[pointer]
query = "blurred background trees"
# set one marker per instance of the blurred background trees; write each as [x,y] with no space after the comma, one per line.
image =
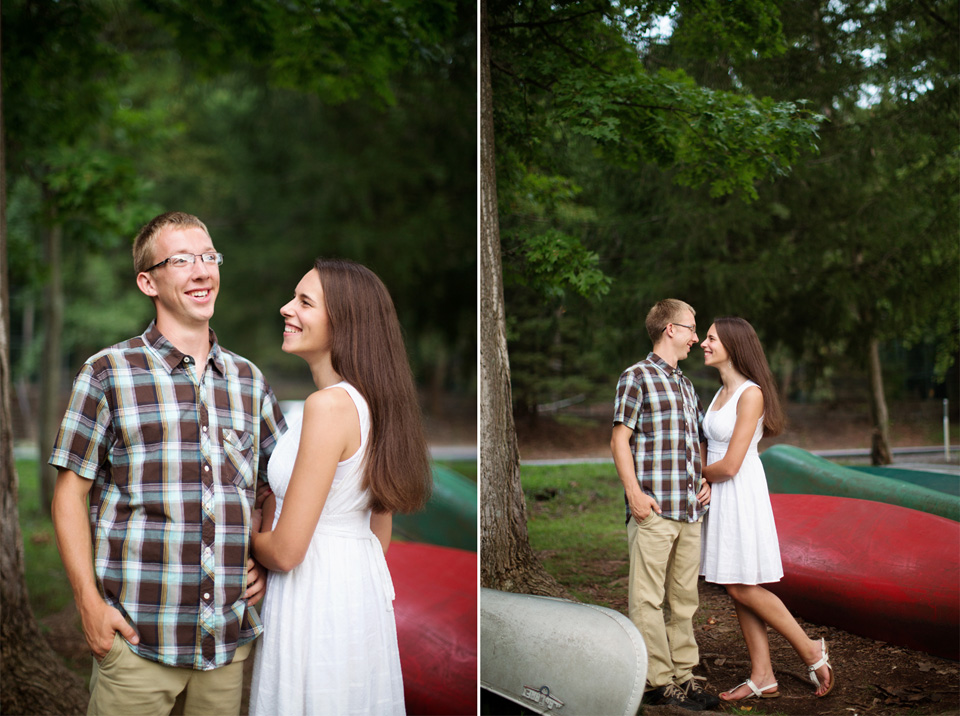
[292,129]
[697,175]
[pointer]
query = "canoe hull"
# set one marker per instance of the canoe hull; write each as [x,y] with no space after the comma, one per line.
[436,612]
[878,570]
[548,654]
[792,470]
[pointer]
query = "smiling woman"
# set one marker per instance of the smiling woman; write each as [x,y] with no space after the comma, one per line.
[356,456]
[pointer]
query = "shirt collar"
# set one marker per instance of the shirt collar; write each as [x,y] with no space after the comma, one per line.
[172,356]
[663,365]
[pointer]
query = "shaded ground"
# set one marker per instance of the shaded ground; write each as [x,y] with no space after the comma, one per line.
[873,678]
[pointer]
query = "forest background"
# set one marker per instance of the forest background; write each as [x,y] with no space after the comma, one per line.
[293,130]
[792,163]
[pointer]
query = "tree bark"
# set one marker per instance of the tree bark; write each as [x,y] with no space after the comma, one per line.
[51,371]
[34,679]
[880,439]
[507,561]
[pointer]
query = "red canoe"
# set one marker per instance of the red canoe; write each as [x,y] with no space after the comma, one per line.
[882,571]
[436,610]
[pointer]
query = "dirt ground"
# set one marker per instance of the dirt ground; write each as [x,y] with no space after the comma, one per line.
[873,678]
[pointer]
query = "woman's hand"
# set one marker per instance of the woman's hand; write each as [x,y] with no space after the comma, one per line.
[255,519]
[703,497]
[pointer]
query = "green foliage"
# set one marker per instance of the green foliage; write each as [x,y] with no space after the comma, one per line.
[293,130]
[853,238]
[338,50]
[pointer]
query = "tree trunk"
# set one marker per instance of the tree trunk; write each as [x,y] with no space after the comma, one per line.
[51,371]
[880,440]
[33,677]
[507,561]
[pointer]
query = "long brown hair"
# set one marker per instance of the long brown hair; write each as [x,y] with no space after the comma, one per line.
[367,351]
[746,353]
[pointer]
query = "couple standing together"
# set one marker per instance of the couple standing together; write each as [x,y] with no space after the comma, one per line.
[173,440]
[675,461]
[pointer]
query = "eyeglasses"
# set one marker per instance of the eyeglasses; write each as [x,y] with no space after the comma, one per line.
[184,260]
[692,328]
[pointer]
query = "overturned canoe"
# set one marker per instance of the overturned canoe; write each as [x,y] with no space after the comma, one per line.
[450,516]
[946,482]
[882,571]
[548,654]
[436,611]
[792,470]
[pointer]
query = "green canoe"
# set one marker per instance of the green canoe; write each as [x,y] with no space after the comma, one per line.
[791,470]
[450,517]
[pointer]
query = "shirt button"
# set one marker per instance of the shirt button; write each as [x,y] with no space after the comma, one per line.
[206,468]
[204,428]
[206,595]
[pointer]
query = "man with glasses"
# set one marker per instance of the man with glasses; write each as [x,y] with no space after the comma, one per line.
[656,444]
[166,435]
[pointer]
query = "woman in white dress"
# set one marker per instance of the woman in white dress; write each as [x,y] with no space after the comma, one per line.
[338,474]
[740,548]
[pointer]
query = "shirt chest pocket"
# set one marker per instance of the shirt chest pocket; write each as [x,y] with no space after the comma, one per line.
[239,463]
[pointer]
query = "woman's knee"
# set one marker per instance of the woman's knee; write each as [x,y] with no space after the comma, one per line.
[739,592]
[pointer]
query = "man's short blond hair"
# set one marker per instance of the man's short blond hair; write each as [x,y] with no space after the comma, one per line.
[666,311]
[143,244]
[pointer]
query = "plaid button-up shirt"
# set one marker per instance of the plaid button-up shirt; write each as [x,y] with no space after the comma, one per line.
[174,457]
[660,405]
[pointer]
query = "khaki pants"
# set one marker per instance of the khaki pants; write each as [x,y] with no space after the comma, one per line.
[664,566]
[125,683]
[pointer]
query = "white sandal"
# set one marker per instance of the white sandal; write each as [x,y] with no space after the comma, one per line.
[824,661]
[757,693]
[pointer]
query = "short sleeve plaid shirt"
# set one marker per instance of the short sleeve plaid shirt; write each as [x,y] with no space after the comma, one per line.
[660,405]
[174,461]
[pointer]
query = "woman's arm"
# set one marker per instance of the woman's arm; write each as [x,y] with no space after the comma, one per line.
[382,525]
[330,432]
[749,411]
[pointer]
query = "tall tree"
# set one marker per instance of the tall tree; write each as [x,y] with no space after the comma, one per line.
[60,89]
[506,559]
[560,71]
[28,665]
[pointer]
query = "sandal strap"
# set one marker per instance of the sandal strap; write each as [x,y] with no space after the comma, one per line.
[823,661]
[758,692]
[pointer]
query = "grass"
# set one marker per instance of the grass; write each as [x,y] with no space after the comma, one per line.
[575,519]
[46,579]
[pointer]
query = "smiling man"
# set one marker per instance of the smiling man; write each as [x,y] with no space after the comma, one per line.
[656,444]
[166,436]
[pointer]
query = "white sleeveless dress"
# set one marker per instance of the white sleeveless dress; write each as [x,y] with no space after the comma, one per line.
[330,637]
[739,541]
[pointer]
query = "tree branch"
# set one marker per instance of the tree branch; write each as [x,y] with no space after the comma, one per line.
[932,13]
[546,23]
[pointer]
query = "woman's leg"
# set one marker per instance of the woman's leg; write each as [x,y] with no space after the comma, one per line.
[755,633]
[767,607]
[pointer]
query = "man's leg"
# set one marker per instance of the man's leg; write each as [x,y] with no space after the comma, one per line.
[124,683]
[683,600]
[651,544]
[218,691]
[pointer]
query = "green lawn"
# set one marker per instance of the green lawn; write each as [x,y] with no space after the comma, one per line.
[46,580]
[575,518]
